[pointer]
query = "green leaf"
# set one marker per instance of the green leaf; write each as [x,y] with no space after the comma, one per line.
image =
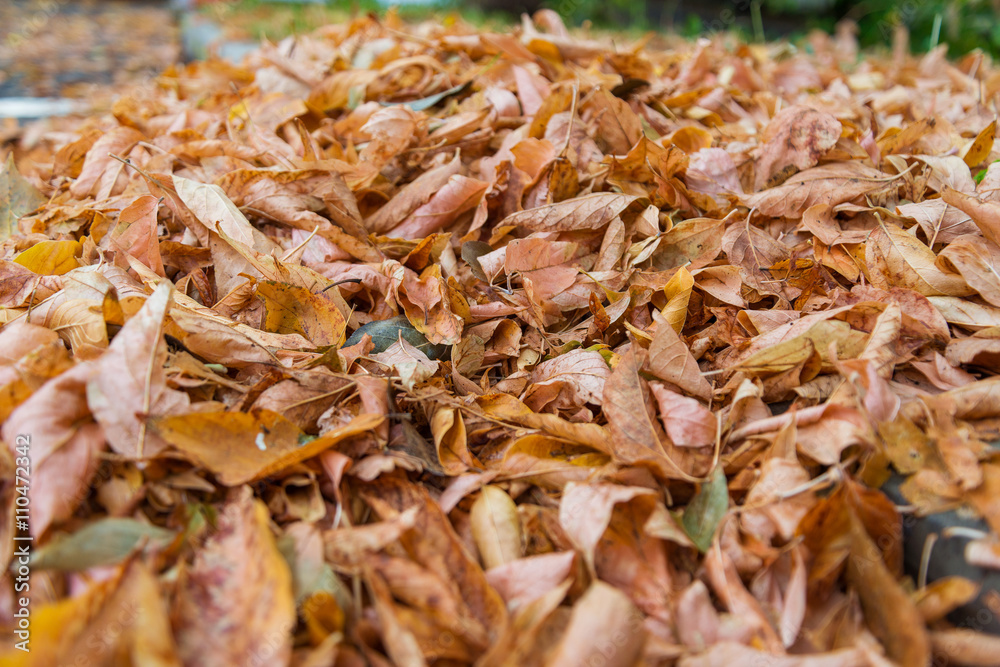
[17,197]
[982,174]
[428,102]
[386,332]
[706,510]
[103,542]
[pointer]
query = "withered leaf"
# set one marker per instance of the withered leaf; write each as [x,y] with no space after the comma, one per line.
[587,212]
[894,617]
[236,600]
[90,626]
[670,359]
[831,184]
[67,442]
[795,139]
[633,334]
[129,383]
[981,146]
[899,259]
[17,197]
[471,252]
[294,309]
[602,613]
[496,527]
[240,447]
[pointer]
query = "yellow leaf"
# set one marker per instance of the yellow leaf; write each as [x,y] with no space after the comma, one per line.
[496,527]
[451,442]
[943,596]
[294,309]
[50,258]
[896,141]
[691,139]
[336,90]
[240,447]
[509,408]
[559,101]
[552,462]
[545,49]
[789,353]
[121,615]
[979,150]
[323,615]
[678,293]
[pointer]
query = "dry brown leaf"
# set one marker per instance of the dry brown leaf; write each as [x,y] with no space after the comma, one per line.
[986,214]
[568,381]
[603,614]
[412,196]
[795,139]
[92,626]
[892,615]
[496,527]
[587,212]
[687,422]
[483,614]
[64,444]
[294,309]
[236,599]
[101,172]
[135,234]
[129,384]
[898,259]
[830,184]
[978,262]
[670,359]
[459,195]
[240,447]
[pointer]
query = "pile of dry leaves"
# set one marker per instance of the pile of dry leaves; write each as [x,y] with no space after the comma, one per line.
[422,345]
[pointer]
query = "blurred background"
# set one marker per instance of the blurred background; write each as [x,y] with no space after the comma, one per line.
[964,24]
[64,50]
